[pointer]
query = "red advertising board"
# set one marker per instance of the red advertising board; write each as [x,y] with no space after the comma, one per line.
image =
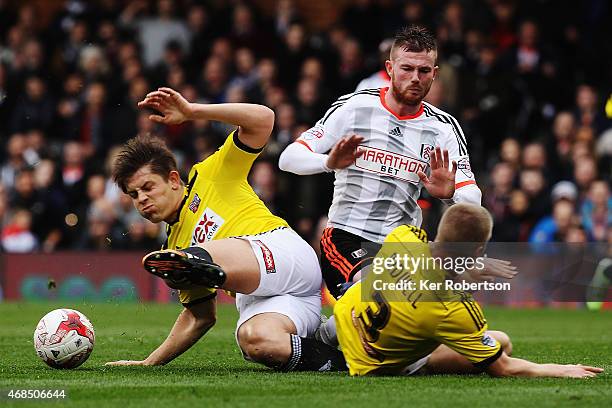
[90,276]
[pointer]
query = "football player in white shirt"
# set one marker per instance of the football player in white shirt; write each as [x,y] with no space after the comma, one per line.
[384,145]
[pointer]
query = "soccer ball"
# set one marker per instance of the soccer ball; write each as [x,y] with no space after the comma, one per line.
[64,338]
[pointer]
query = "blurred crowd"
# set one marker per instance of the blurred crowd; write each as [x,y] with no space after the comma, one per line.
[528,81]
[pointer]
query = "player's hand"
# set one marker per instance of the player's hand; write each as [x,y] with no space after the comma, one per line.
[498,268]
[174,108]
[441,182]
[344,153]
[127,363]
[579,371]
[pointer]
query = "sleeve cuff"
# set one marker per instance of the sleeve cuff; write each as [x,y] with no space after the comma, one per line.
[242,146]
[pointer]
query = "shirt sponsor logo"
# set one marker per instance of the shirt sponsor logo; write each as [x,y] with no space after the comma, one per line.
[207,227]
[426,150]
[267,257]
[315,132]
[390,163]
[195,203]
[464,165]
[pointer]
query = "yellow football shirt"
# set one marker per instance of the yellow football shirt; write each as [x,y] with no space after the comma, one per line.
[382,337]
[219,203]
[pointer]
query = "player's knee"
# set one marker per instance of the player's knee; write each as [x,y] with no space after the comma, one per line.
[503,339]
[259,344]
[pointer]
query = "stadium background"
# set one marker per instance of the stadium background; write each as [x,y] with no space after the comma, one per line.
[530,83]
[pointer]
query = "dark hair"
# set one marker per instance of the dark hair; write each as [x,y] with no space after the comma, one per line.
[139,152]
[415,38]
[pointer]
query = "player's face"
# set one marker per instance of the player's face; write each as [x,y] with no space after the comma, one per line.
[412,74]
[155,198]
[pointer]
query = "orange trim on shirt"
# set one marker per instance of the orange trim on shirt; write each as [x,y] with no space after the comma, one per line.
[304,143]
[383,92]
[464,183]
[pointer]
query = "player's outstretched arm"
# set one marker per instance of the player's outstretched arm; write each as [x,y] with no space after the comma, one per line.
[192,323]
[506,366]
[298,159]
[255,121]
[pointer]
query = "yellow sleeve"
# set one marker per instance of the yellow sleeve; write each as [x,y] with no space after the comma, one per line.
[465,331]
[231,162]
[191,296]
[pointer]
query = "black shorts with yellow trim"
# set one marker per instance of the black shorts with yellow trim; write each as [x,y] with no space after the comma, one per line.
[343,255]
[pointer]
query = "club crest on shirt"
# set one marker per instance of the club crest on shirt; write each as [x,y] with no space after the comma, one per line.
[207,227]
[426,150]
[464,165]
[360,253]
[195,203]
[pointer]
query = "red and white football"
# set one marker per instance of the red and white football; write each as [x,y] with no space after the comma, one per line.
[64,338]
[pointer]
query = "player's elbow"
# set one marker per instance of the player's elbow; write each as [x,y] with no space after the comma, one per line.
[267,118]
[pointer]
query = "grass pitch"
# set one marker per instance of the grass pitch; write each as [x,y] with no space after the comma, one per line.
[213,373]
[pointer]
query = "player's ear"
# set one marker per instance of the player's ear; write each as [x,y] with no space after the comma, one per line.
[174,179]
[389,67]
[435,71]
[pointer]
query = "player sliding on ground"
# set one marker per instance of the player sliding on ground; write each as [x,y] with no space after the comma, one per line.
[432,331]
[221,235]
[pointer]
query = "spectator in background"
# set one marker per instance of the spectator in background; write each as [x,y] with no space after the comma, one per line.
[97,234]
[553,228]
[94,129]
[73,173]
[213,82]
[588,112]
[560,144]
[292,53]
[69,107]
[286,14]
[596,210]
[585,172]
[93,64]
[246,33]
[533,184]
[16,235]
[379,79]
[497,196]
[34,108]
[510,153]
[15,161]
[155,31]
[202,35]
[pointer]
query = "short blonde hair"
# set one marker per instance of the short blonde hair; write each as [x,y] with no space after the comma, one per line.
[465,223]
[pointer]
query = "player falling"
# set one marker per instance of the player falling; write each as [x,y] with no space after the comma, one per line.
[221,235]
[432,331]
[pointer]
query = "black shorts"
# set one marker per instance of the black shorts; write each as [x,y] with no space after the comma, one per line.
[343,255]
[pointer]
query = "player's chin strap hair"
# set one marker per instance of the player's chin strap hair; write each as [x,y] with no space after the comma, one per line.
[308,354]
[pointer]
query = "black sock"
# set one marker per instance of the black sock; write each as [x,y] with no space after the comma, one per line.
[309,354]
[199,252]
